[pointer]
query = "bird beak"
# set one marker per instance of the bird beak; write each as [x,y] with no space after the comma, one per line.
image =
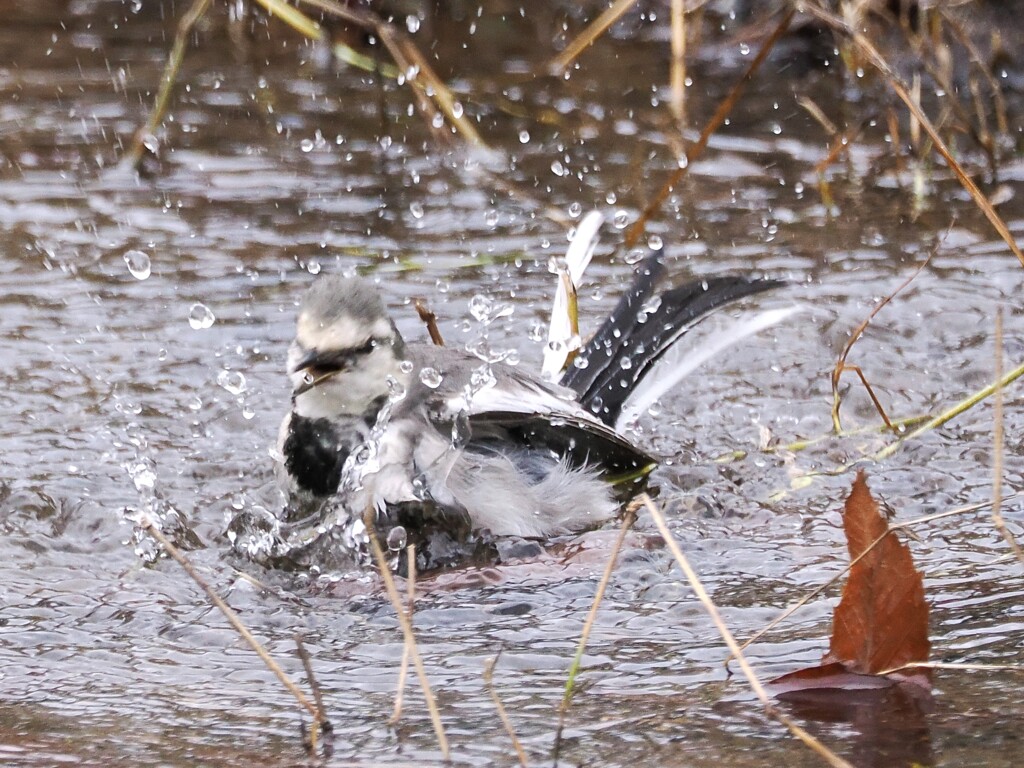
[309,360]
[306,361]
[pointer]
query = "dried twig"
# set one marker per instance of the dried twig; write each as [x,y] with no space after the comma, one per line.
[403,669]
[170,74]
[314,686]
[755,684]
[406,624]
[841,365]
[997,447]
[430,320]
[677,76]
[585,38]
[901,90]
[955,665]
[502,713]
[949,414]
[588,625]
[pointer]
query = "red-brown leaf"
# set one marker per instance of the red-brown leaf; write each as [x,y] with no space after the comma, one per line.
[882,620]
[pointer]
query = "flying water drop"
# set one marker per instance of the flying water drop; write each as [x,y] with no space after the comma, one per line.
[200,316]
[138,264]
[431,377]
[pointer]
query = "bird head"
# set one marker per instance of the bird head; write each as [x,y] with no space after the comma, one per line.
[346,346]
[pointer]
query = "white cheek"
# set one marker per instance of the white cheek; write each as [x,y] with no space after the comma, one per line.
[350,392]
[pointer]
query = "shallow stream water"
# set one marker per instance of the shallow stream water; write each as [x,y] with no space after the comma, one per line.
[144,325]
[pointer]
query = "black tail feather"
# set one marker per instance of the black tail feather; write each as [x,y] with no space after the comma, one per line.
[642,327]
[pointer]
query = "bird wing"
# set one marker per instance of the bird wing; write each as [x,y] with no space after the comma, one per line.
[517,411]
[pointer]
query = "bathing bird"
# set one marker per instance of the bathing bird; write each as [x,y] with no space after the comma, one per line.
[430,433]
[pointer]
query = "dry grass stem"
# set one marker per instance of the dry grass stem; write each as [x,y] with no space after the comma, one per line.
[677,75]
[714,122]
[403,669]
[955,665]
[588,624]
[315,712]
[997,446]
[755,684]
[593,31]
[410,61]
[314,686]
[818,590]
[841,364]
[951,413]
[1002,124]
[430,320]
[406,624]
[170,74]
[502,713]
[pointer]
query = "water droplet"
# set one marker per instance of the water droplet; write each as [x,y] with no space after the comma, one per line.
[397,538]
[776,129]
[313,267]
[416,209]
[248,412]
[406,366]
[142,474]
[575,210]
[138,264]
[232,381]
[480,307]
[524,137]
[558,169]
[306,145]
[431,377]
[744,49]
[457,110]
[200,316]
[195,403]
[611,198]
[634,256]
[491,218]
[655,243]
[621,219]
[412,23]
[396,390]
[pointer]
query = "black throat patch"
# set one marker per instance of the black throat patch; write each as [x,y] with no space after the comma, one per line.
[315,450]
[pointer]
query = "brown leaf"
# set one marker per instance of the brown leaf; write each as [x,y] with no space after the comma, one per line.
[882,620]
